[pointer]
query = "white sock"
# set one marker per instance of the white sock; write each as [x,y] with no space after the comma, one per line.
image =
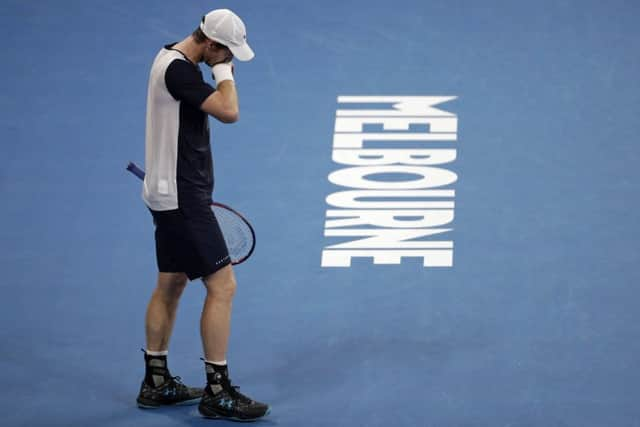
[220,363]
[157,353]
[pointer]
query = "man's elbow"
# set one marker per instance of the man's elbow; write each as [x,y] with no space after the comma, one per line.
[215,105]
[229,116]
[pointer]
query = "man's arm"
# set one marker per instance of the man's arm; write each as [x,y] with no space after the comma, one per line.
[223,103]
[185,83]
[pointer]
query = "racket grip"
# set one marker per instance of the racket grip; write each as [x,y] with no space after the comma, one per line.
[134,169]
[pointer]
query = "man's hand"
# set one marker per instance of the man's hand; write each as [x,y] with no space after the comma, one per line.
[217,54]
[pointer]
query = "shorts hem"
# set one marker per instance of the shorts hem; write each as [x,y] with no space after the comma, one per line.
[209,271]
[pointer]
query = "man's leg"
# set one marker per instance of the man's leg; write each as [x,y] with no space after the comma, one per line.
[159,388]
[215,323]
[161,312]
[221,399]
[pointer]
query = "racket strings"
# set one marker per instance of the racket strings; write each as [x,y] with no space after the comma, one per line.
[237,234]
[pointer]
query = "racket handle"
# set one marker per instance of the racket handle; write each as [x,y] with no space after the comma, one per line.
[134,169]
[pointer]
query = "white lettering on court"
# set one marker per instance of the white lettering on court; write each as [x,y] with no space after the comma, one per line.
[395,197]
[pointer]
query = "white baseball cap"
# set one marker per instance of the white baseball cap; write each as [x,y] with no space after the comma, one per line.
[225,27]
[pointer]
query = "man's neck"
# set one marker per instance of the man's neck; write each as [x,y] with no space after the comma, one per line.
[190,49]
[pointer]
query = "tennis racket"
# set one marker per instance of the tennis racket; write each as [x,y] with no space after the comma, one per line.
[237,232]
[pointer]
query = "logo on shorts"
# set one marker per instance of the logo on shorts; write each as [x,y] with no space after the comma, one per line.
[225,259]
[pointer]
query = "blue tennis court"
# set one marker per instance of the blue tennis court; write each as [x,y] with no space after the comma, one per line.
[527,314]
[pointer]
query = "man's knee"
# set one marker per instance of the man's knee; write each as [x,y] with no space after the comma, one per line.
[171,285]
[222,283]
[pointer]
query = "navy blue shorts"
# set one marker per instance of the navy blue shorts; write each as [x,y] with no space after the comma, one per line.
[189,241]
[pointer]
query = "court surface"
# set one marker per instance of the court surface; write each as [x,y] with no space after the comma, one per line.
[535,324]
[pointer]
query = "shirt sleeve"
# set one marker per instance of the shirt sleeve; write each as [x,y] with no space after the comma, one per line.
[185,83]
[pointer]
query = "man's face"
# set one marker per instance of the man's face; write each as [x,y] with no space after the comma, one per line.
[215,53]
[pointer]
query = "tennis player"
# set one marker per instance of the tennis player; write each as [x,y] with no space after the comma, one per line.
[177,190]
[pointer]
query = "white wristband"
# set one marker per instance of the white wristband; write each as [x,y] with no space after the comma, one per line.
[222,72]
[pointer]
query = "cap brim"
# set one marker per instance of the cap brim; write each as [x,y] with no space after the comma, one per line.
[242,52]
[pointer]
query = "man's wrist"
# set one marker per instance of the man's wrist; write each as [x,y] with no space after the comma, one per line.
[222,72]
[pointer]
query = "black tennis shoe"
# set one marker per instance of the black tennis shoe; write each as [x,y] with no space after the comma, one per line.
[223,400]
[171,392]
